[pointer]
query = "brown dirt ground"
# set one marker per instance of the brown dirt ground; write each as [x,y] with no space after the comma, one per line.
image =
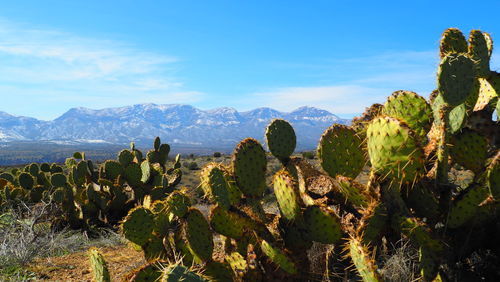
[75,266]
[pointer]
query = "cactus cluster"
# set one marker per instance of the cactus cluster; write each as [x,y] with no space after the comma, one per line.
[94,196]
[410,145]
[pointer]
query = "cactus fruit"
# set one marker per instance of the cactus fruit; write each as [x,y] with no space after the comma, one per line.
[98,266]
[281,139]
[340,151]
[452,41]
[249,168]
[394,150]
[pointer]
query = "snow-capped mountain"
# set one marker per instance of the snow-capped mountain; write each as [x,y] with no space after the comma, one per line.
[175,124]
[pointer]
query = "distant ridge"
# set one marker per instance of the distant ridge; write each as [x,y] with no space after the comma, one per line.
[182,125]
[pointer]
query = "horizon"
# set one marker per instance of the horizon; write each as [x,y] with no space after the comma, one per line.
[332,56]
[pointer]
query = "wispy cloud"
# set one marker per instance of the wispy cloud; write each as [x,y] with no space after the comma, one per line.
[51,65]
[347,86]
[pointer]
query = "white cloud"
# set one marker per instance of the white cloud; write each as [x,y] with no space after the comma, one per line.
[51,65]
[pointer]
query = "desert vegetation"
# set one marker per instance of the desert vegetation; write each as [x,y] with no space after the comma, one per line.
[409,191]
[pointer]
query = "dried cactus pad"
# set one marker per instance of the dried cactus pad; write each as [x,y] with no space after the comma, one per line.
[394,151]
[281,139]
[340,151]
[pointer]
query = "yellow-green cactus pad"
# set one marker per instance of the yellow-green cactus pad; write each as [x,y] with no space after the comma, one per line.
[278,257]
[394,150]
[363,260]
[287,195]
[340,151]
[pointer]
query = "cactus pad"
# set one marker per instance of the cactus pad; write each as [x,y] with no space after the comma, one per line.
[178,203]
[470,150]
[26,180]
[322,224]
[215,186]
[479,53]
[98,266]
[125,157]
[199,235]
[112,169]
[58,180]
[488,92]
[412,109]
[363,261]
[175,273]
[455,79]
[493,175]
[249,167]
[340,151]
[372,223]
[394,151]
[228,223]
[281,139]
[138,225]
[353,191]
[278,257]
[452,41]
[286,190]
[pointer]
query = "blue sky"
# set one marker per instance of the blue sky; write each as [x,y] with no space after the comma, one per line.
[337,55]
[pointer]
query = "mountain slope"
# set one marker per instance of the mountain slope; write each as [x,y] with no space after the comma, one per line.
[175,124]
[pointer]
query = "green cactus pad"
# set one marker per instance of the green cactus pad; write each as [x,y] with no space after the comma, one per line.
[26,180]
[133,174]
[215,186]
[340,151]
[7,176]
[493,176]
[455,79]
[479,53]
[229,223]
[149,272]
[58,195]
[164,150]
[58,180]
[33,169]
[175,273]
[353,191]
[394,150]
[174,177]
[322,224]
[421,199]
[154,249]
[456,117]
[363,260]
[249,168]
[470,150]
[125,157]
[199,235]
[36,193]
[153,156]
[138,225]
[218,271]
[372,223]
[412,109]
[280,138]
[54,168]
[177,203]
[416,231]
[238,264]
[112,169]
[278,257]
[465,208]
[429,264]
[157,143]
[452,41]
[287,195]
[45,167]
[146,171]
[98,265]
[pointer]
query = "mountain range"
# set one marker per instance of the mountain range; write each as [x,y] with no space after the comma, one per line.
[178,125]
